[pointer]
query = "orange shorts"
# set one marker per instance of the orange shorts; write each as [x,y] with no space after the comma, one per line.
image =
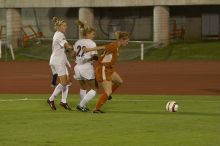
[104,73]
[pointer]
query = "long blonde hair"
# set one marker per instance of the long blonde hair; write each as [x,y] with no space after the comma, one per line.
[122,35]
[84,28]
[57,22]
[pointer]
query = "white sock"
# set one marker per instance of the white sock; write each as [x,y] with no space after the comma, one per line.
[64,94]
[82,94]
[56,92]
[88,97]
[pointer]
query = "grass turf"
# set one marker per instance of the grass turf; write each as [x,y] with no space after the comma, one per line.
[180,50]
[42,51]
[131,120]
[186,50]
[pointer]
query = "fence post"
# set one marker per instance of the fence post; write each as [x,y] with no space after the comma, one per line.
[12,51]
[142,51]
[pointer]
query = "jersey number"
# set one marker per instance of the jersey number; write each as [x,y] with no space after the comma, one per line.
[80,52]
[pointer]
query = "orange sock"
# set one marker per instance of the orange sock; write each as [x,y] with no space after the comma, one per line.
[101,101]
[103,98]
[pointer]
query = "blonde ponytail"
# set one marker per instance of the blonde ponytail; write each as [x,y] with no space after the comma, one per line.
[84,27]
[57,22]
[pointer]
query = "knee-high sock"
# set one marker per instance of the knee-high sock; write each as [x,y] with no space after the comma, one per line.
[103,98]
[56,91]
[64,94]
[82,94]
[88,97]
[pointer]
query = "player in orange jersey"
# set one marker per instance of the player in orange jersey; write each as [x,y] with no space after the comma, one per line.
[105,73]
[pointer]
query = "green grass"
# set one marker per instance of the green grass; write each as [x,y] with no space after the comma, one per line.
[42,51]
[180,50]
[186,50]
[131,120]
[31,51]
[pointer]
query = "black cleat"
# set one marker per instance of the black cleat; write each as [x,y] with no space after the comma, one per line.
[83,109]
[51,104]
[86,107]
[65,105]
[98,111]
[78,107]
[110,97]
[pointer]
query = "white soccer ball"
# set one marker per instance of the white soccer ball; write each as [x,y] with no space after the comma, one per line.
[172,106]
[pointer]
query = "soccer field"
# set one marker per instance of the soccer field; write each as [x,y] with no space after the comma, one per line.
[130,120]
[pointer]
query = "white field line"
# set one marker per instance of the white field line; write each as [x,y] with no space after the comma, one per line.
[114,100]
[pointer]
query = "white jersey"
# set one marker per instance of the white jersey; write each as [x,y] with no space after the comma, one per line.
[81,56]
[58,56]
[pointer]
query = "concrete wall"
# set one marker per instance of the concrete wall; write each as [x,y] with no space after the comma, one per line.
[139,26]
[189,16]
[2,16]
[100,3]
[137,21]
[44,16]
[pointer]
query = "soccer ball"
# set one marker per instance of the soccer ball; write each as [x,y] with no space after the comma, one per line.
[172,106]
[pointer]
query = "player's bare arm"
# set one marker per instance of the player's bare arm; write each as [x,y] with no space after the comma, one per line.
[94,49]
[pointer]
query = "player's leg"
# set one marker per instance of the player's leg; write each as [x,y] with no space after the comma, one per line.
[56,91]
[83,89]
[61,87]
[89,95]
[82,92]
[64,82]
[79,78]
[54,80]
[117,81]
[69,76]
[103,75]
[54,77]
[88,73]
[107,86]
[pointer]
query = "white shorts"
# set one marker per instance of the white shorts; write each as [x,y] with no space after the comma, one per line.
[84,72]
[59,69]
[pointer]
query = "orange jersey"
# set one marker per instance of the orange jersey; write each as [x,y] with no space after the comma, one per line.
[110,54]
[108,58]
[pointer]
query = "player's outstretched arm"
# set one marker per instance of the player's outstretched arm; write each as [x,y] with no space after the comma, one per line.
[94,49]
[68,46]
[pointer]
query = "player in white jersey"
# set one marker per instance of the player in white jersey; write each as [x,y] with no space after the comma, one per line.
[58,63]
[84,70]
[55,75]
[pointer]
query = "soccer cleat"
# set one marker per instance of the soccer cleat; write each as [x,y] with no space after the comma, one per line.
[78,107]
[110,97]
[51,104]
[83,109]
[86,107]
[65,105]
[97,111]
